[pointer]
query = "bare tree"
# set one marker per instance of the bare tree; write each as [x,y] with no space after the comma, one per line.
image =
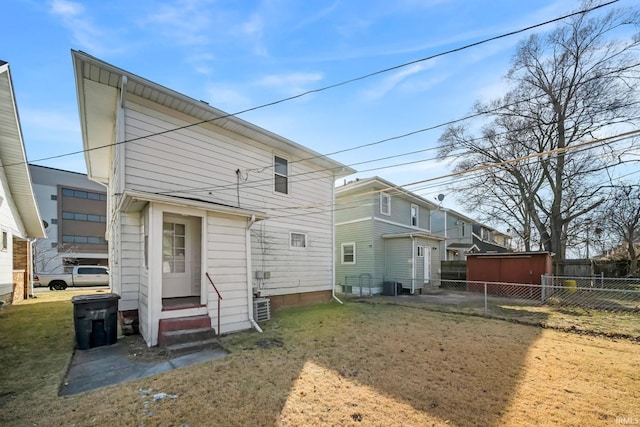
[569,86]
[620,218]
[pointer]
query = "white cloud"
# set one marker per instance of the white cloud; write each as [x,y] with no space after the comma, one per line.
[66,8]
[185,22]
[56,124]
[227,98]
[292,83]
[200,62]
[84,32]
[253,26]
[390,82]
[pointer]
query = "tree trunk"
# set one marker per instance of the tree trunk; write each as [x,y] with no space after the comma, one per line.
[633,258]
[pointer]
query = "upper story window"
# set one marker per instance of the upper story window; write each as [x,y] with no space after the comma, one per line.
[385,204]
[298,240]
[80,194]
[83,217]
[5,241]
[91,240]
[281,175]
[414,215]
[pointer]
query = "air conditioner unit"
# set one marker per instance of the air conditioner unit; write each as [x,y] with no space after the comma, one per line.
[261,309]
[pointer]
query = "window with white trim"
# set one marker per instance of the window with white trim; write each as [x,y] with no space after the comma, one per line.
[348,253]
[5,241]
[297,240]
[414,215]
[420,251]
[280,175]
[385,204]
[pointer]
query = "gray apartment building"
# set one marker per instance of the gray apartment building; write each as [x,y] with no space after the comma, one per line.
[73,210]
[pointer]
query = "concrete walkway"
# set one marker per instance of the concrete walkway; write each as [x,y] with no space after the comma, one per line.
[109,365]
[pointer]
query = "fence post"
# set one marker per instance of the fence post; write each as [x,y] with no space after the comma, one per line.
[601,280]
[485,298]
[543,291]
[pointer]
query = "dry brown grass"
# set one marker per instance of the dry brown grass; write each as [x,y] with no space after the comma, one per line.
[363,364]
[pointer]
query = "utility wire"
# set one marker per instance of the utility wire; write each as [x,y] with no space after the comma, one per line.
[268,181]
[403,188]
[333,86]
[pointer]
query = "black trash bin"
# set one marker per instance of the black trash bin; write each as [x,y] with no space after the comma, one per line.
[96,320]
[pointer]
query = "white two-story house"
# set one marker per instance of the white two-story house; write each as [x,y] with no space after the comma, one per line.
[197,194]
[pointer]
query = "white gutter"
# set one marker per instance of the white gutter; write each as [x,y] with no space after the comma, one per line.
[333,242]
[247,237]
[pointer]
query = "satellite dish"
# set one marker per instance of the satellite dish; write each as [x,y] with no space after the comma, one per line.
[440,197]
[45,223]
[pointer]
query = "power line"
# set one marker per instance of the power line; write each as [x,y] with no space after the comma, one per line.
[335,85]
[403,188]
[268,181]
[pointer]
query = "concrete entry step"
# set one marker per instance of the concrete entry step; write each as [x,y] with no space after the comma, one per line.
[189,322]
[184,335]
[187,335]
[192,346]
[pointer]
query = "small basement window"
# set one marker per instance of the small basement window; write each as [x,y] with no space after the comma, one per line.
[297,240]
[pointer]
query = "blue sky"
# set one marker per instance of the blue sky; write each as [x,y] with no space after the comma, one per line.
[240,54]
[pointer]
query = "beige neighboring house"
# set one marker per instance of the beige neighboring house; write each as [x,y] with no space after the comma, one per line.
[193,191]
[20,222]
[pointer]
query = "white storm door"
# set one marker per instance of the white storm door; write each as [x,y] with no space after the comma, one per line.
[176,259]
[427,264]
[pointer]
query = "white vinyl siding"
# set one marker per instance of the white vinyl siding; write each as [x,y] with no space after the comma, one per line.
[11,224]
[131,263]
[211,155]
[226,263]
[206,158]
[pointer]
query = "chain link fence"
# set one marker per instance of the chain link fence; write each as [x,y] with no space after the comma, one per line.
[361,285]
[581,304]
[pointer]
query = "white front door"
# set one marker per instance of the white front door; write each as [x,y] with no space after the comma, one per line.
[176,257]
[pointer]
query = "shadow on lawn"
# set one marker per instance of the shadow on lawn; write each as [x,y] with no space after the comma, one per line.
[391,365]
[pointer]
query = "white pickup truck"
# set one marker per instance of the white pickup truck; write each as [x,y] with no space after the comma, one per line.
[82,275]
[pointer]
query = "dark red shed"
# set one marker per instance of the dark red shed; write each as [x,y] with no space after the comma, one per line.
[511,267]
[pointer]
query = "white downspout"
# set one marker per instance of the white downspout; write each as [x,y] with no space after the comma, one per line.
[247,237]
[31,261]
[333,241]
[446,255]
[413,264]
